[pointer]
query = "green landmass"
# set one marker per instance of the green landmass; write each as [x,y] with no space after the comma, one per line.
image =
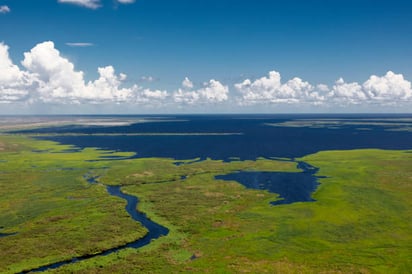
[389,124]
[360,222]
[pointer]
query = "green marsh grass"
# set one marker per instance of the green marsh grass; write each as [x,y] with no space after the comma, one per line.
[359,223]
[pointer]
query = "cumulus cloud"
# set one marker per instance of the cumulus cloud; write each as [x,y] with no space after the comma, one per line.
[385,90]
[91,4]
[107,87]
[50,78]
[56,76]
[46,77]
[186,83]
[151,97]
[347,93]
[211,92]
[13,81]
[4,9]
[147,79]
[8,71]
[388,87]
[270,89]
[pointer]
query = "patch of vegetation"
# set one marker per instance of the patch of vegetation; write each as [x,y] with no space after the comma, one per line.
[360,222]
[54,212]
[395,124]
[57,215]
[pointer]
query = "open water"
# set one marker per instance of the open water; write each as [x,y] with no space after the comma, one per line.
[240,136]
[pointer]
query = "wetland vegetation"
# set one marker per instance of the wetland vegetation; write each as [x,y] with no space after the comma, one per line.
[49,212]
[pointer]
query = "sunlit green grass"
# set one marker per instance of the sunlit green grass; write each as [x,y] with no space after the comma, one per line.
[54,212]
[360,222]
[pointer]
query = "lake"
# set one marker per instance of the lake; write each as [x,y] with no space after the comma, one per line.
[224,137]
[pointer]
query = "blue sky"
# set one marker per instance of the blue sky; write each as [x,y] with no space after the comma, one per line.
[238,56]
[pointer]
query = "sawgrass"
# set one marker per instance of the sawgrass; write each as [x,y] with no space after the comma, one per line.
[360,222]
[54,212]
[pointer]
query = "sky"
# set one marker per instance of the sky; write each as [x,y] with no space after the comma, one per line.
[205,56]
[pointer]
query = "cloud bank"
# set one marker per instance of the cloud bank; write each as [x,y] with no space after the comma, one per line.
[389,89]
[46,77]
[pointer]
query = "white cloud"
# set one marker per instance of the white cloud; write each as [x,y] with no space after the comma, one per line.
[388,87]
[107,88]
[322,87]
[91,4]
[45,77]
[214,91]
[153,97]
[13,81]
[4,9]
[8,71]
[79,44]
[187,83]
[147,79]
[187,97]
[51,78]
[211,92]
[347,93]
[270,89]
[57,80]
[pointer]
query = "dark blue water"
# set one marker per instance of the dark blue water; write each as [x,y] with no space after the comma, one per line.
[6,234]
[292,187]
[253,138]
[154,230]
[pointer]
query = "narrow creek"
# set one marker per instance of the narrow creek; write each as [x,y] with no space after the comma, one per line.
[291,186]
[154,230]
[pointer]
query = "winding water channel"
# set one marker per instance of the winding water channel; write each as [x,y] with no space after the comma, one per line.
[291,186]
[154,230]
